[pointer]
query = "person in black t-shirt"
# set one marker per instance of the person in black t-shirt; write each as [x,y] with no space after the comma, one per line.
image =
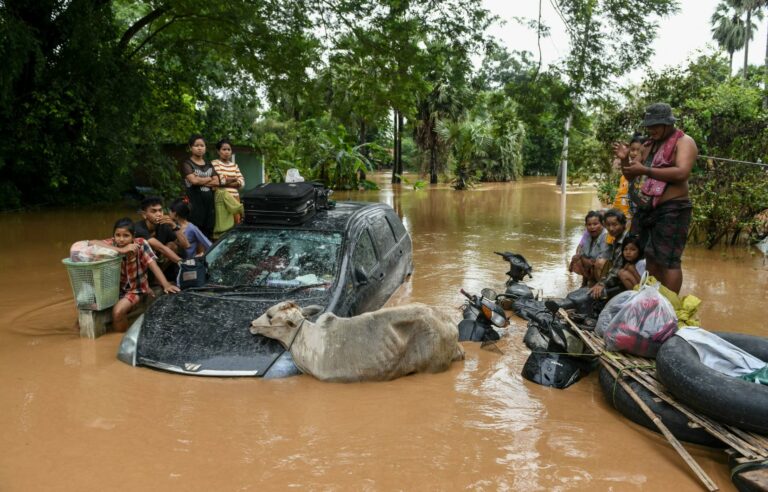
[200,178]
[161,232]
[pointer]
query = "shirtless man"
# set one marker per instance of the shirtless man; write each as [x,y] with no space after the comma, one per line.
[663,212]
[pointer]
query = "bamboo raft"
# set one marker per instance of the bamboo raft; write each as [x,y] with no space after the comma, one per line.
[746,446]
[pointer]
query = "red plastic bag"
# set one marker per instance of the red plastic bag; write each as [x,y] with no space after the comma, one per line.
[645,322]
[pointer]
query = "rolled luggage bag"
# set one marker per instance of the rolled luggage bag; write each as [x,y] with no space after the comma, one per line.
[280,203]
[726,399]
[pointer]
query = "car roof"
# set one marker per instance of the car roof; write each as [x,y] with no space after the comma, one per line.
[336,219]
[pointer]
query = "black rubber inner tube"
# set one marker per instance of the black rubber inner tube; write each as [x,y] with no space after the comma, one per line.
[676,422]
[744,477]
[726,399]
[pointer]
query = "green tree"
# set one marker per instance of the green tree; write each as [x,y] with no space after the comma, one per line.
[748,8]
[541,99]
[503,159]
[94,87]
[396,37]
[468,141]
[448,98]
[728,30]
[606,37]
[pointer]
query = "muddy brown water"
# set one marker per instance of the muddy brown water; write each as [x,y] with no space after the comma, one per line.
[75,418]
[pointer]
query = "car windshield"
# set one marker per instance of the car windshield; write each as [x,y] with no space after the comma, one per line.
[275,258]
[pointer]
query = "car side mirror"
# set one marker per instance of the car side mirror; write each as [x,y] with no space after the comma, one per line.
[360,276]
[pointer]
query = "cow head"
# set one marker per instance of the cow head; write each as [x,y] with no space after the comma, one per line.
[282,320]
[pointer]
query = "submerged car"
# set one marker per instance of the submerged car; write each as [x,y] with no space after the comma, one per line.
[349,259]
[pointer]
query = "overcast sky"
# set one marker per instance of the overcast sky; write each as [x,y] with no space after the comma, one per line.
[679,36]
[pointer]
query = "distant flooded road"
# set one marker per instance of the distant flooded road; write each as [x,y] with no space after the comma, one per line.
[74,418]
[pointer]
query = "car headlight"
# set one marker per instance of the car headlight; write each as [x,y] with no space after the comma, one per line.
[127,350]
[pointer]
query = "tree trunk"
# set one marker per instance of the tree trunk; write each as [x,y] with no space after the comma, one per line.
[433,139]
[362,137]
[361,175]
[765,74]
[395,154]
[730,63]
[399,144]
[746,44]
[538,42]
[735,236]
[562,173]
[433,162]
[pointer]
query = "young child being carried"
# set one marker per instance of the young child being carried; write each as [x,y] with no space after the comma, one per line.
[138,258]
[622,201]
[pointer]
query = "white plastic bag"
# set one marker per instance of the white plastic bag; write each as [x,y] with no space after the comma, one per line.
[644,322]
[293,176]
[610,310]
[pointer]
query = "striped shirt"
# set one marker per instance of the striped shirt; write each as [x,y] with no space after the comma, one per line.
[229,170]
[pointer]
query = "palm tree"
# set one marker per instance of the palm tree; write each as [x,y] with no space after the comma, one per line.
[468,141]
[728,30]
[764,4]
[750,8]
[443,102]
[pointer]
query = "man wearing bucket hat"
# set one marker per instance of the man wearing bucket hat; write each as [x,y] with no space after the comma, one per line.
[659,193]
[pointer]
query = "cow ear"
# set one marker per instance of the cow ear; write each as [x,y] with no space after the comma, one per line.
[312,310]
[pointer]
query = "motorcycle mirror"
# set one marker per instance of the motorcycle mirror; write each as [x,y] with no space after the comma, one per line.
[360,276]
[489,294]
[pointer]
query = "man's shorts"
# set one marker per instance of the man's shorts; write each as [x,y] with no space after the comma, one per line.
[664,231]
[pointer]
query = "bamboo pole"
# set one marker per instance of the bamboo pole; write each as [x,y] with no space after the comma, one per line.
[753,439]
[700,473]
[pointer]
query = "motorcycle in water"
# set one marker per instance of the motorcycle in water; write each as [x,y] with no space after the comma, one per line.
[519,268]
[556,358]
[481,315]
[521,298]
[563,362]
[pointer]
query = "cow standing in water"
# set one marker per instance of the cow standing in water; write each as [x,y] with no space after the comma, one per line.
[377,346]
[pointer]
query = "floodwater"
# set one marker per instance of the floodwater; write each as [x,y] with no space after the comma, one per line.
[72,417]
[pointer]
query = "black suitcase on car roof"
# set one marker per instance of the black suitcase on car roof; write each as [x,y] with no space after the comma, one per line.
[280,203]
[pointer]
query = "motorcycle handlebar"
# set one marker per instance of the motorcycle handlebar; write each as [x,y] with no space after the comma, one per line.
[468,296]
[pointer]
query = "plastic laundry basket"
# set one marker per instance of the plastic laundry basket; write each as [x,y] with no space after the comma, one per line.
[95,284]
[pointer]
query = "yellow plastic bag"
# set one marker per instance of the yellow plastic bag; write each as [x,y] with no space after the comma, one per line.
[686,307]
